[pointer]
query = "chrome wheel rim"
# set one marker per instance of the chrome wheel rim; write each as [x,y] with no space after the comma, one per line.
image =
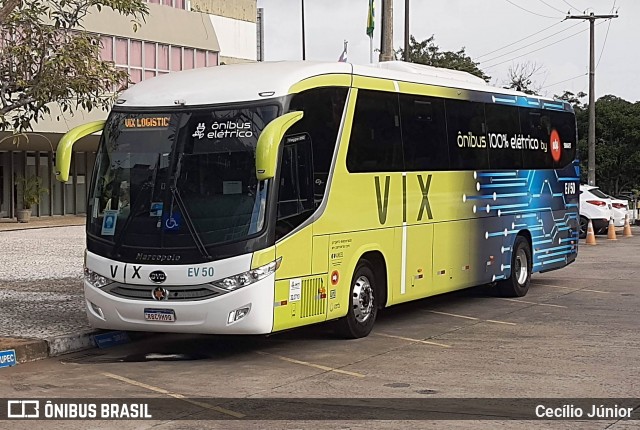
[521,266]
[362,299]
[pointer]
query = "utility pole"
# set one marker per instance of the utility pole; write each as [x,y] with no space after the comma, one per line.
[591,140]
[406,31]
[386,39]
[304,56]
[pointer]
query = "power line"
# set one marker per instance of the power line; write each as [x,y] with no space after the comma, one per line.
[603,44]
[539,49]
[552,7]
[535,50]
[530,44]
[520,40]
[527,10]
[562,82]
[571,6]
[606,36]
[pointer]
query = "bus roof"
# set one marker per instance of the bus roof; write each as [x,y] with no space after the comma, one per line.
[256,81]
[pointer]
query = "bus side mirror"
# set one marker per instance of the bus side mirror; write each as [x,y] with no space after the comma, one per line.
[269,144]
[63,152]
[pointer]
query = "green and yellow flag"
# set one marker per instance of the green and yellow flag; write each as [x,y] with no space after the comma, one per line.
[371,19]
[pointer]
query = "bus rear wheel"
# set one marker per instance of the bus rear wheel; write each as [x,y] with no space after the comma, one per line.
[363,306]
[517,285]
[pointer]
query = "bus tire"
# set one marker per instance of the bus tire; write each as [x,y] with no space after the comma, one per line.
[584,224]
[363,307]
[517,284]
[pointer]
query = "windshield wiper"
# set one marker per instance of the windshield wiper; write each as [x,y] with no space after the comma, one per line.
[132,206]
[187,218]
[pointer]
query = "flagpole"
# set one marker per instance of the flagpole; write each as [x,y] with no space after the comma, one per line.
[304,54]
[371,49]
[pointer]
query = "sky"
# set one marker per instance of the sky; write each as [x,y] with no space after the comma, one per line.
[559,47]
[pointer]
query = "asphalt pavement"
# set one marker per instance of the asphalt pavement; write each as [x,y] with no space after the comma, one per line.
[42,312]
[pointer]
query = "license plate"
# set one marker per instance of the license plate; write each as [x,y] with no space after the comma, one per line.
[162,315]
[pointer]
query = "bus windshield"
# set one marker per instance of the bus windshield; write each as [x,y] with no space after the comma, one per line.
[179,179]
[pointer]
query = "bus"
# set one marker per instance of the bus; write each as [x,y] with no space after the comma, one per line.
[254,198]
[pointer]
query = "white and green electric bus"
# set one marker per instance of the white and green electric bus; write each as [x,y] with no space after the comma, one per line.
[260,197]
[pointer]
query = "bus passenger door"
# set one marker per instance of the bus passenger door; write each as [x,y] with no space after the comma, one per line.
[301,297]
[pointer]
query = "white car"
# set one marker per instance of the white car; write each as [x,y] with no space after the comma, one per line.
[595,206]
[620,210]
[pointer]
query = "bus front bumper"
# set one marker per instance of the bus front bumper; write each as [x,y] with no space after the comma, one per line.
[250,306]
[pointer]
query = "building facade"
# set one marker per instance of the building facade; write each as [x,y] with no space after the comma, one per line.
[176,35]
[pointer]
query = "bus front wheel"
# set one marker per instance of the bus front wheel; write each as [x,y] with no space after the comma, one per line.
[363,306]
[517,284]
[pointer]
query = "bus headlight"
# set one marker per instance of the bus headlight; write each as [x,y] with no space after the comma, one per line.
[232,283]
[95,279]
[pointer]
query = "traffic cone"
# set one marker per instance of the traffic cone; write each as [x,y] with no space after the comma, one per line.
[591,236]
[627,227]
[611,232]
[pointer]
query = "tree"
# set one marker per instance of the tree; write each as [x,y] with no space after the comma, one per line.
[521,78]
[427,52]
[47,57]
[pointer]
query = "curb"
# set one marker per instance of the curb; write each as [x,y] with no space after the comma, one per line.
[38,227]
[28,350]
[65,344]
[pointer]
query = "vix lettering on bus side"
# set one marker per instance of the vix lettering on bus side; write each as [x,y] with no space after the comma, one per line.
[382,197]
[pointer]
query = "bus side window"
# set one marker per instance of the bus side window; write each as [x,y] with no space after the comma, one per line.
[467,135]
[424,133]
[376,143]
[536,127]
[564,123]
[503,125]
[323,108]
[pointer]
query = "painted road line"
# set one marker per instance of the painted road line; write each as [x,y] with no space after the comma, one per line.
[574,289]
[454,315]
[426,342]
[532,303]
[317,366]
[174,395]
[552,286]
[471,318]
[501,322]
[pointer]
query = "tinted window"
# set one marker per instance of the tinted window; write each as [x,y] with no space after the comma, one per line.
[565,125]
[322,109]
[536,129]
[503,129]
[467,135]
[424,133]
[376,142]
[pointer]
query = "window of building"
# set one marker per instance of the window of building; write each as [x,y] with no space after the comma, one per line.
[179,4]
[145,60]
